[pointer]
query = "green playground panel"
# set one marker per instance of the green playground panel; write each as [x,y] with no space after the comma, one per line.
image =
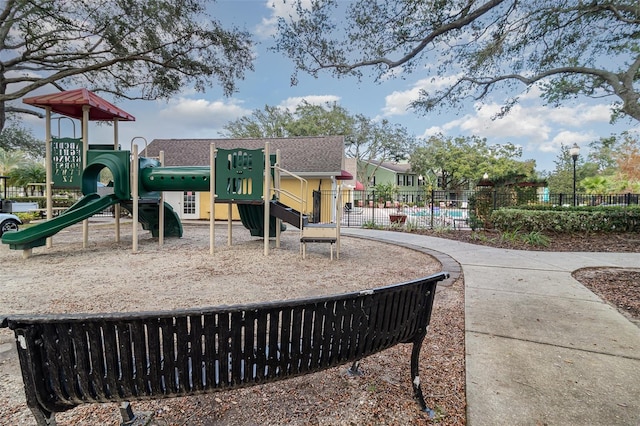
[239,174]
[66,162]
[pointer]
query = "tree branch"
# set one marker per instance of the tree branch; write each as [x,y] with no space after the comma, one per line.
[465,19]
[17,110]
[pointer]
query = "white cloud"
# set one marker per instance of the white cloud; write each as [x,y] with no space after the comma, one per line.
[397,103]
[580,115]
[279,8]
[567,138]
[541,128]
[432,131]
[534,93]
[293,102]
[536,127]
[201,113]
[179,118]
[521,122]
[182,117]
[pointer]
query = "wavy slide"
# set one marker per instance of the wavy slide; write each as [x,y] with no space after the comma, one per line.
[36,236]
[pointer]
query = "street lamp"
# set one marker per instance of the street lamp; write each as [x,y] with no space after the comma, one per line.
[574,151]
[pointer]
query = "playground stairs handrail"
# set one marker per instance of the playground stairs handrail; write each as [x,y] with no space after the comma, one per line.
[302,199]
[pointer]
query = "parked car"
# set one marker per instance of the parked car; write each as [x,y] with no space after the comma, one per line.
[9,222]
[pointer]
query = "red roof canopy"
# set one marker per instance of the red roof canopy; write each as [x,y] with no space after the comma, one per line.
[344,175]
[70,103]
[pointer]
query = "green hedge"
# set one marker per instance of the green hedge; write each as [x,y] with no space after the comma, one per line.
[568,220]
[42,201]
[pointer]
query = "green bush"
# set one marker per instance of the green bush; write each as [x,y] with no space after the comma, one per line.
[63,202]
[568,220]
[27,217]
[370,224]
[42,201]
[535,238]
[480,206]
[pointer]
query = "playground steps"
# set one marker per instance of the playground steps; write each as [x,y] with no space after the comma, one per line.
[319,233]
[287,214]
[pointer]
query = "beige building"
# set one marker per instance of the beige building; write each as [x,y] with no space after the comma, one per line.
[318,160]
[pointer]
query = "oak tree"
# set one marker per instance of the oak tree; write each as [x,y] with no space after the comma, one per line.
[366,140]
[474,49]
[460,162]
[133,49]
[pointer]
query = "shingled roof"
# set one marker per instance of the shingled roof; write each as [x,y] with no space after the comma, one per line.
[394,167]
[307,156]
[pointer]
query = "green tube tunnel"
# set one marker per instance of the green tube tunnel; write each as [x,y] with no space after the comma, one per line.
[175,178]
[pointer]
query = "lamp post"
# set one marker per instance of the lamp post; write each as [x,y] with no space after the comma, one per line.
[574,151]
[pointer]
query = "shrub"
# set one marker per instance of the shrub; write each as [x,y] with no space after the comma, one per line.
[370,224]
[27,217]
[563,220]
[510,236]
[536,238]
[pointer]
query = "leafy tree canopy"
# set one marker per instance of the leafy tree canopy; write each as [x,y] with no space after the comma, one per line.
[617,158]
[602,152]
[132,49]
[30,173]
[568,48]
[16,138]
[365,139]
[561,179]
[271,122]
[628,160]
[461,161]
[11,160]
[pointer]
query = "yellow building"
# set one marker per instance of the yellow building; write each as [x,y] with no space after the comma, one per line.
[318,160]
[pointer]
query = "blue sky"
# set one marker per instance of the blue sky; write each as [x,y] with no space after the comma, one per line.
[540,130]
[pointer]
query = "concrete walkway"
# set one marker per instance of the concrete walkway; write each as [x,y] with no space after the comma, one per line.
[541,349]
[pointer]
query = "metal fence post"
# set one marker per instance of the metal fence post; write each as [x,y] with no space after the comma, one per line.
[432,202]
[373,208]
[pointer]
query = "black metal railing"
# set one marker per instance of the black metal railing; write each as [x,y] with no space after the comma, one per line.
[421,208]
[452,209]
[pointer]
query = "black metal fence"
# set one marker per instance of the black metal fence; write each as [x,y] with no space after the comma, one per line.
[451,209]
[61,198]
[419,209]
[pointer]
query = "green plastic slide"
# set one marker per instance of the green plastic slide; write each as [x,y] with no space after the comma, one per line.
[36,236]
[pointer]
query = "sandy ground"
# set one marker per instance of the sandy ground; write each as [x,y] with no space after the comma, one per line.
[108,277]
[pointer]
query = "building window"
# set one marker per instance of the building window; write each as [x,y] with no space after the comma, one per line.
[189,205]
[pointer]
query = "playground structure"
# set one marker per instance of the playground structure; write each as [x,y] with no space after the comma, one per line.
[248,178]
